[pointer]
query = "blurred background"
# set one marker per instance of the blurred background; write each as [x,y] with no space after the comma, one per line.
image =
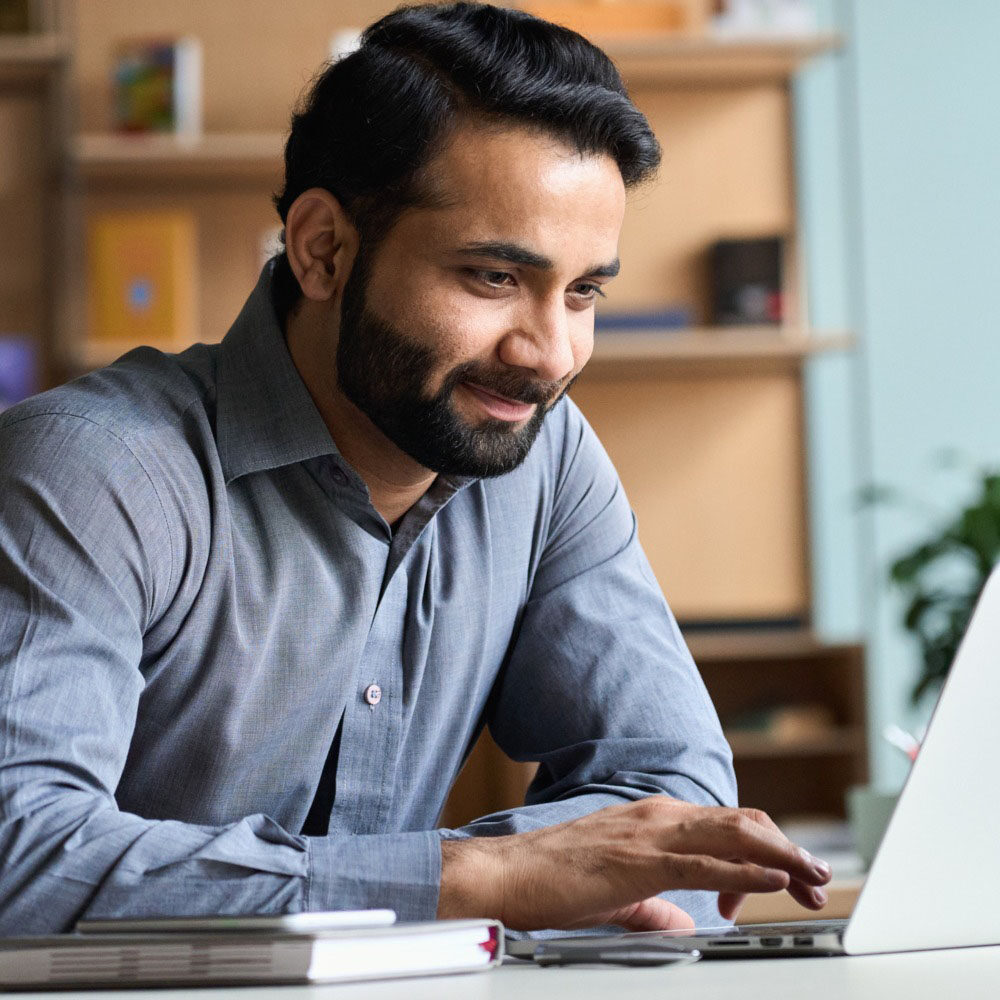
[796,373]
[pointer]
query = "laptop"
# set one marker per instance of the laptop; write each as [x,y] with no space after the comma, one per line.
[933,882]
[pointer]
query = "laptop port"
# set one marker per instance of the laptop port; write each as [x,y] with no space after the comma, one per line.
[771,942]
[805,941]
[729,940]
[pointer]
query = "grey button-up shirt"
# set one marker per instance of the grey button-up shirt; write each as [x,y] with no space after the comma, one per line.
[195,591]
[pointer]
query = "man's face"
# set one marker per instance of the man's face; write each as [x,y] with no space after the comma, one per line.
[471,319]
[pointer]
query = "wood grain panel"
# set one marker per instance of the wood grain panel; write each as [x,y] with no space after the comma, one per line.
[712,468]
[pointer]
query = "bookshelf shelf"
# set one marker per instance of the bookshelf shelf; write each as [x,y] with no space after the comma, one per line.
[28,59]
[98,353]
[617,351]
[843,742]
[676,60]
[107,156]
[772,645]
[713,345]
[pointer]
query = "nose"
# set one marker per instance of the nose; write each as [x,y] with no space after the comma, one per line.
[542,341]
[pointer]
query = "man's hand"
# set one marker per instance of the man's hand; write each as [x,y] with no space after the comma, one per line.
[609,867]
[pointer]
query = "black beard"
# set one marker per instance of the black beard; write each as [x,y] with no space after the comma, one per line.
[384,375]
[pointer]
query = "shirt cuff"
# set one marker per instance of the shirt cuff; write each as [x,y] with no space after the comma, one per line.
[398,871]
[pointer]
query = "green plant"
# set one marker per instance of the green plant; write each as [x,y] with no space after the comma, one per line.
[942,577]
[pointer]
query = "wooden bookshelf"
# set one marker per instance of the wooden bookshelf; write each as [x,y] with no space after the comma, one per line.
[769,668]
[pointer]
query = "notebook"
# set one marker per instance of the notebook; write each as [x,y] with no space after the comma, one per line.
[932,883]
[225,957]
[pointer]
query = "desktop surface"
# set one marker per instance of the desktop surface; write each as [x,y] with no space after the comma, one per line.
[969,973]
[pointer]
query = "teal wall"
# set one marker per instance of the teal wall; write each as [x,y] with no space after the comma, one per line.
[899,179]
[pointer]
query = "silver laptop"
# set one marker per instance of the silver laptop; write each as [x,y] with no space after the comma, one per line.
[934,881]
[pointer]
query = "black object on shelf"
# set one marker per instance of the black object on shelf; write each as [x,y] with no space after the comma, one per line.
[746,281]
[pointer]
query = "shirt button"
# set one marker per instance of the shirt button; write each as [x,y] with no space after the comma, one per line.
[373,694]
[339,476]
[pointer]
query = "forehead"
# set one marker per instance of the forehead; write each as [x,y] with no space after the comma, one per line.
[523,186]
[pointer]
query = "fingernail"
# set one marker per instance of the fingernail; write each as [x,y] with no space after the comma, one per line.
[820,896]
[818,865]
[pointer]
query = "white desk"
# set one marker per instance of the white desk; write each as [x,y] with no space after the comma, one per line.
[965,974]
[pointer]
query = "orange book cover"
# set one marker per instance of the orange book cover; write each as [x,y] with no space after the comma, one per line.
[142,274]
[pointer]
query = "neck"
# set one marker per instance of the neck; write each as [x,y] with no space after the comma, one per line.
[394,480]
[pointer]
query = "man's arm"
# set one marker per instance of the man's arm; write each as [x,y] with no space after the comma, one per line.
[600,689]
[87,565]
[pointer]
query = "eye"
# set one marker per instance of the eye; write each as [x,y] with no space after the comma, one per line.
[495,279]
[587,290]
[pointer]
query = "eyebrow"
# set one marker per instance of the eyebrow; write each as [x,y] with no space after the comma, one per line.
[511,253]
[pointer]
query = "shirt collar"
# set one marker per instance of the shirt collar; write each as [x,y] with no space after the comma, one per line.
[265,417]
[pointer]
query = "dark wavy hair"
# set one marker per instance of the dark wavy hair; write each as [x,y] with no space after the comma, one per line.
[374,119]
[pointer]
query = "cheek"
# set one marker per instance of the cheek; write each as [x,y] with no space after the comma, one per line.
[455,325]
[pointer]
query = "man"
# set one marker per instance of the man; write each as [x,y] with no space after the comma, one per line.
[258,599]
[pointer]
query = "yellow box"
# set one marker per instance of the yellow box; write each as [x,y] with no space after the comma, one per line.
[141,277]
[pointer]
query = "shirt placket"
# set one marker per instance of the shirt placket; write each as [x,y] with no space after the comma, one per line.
[374,715]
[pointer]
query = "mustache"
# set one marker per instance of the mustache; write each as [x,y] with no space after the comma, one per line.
[507,383]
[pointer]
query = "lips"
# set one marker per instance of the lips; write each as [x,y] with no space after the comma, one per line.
[499,407]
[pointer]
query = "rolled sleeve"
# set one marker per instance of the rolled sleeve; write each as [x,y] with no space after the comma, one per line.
[400,871]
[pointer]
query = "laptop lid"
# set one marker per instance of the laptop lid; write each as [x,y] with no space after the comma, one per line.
[934,880]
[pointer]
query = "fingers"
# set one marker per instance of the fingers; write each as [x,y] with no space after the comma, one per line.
[730,904]
[697,871]
[747,835]
[819,866]
[810,896]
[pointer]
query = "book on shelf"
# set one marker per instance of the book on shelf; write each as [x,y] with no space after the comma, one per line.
[18,369]
[141,277]
[636,320]
[230,957]
[158,86]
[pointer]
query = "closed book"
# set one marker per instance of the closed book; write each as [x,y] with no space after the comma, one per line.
[158,86]
[210,959]
[141,269]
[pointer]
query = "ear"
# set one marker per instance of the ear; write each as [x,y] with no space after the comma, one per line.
[321,243]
